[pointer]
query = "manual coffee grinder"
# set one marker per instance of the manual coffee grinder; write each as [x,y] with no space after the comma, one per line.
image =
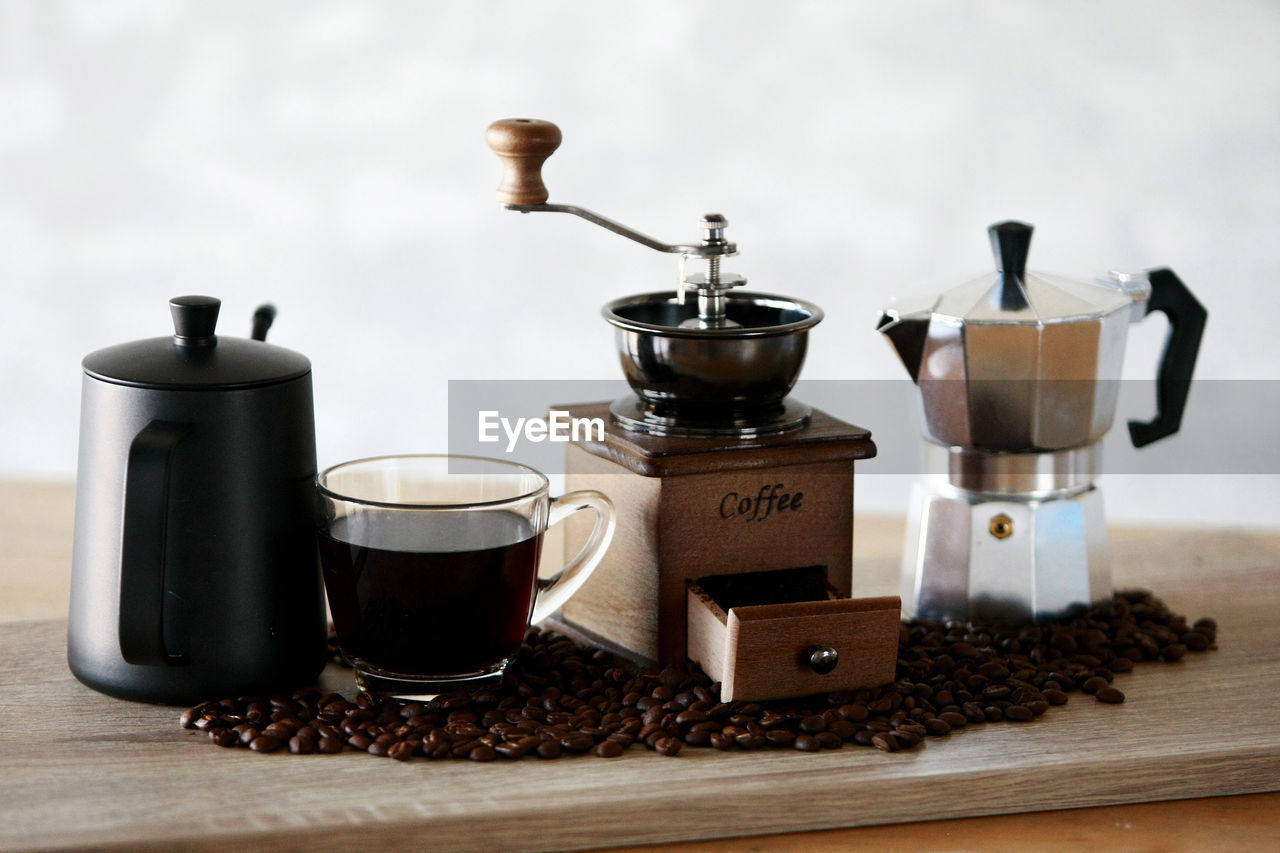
[734,502]
[1019,375]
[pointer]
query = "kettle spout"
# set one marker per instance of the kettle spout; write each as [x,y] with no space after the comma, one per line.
[907,331]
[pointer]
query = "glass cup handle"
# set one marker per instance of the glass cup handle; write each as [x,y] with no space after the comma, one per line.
[554,591]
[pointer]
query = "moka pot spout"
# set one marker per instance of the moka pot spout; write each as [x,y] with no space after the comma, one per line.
[907,331]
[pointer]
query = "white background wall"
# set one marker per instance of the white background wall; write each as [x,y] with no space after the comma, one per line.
[329,157]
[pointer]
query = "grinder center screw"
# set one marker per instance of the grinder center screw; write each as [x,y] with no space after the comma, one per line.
[712,285]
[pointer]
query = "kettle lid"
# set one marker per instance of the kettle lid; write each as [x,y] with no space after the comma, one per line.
[194,357]
[1011,295]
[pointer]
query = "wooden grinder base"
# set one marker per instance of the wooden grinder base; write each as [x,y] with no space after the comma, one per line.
[690,508]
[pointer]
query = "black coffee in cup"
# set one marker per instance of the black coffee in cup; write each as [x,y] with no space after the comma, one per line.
[430,596]
[431,565]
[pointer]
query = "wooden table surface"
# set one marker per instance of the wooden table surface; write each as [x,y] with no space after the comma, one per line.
[78,769]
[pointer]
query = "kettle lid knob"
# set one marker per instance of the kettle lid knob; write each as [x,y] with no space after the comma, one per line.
[194,320]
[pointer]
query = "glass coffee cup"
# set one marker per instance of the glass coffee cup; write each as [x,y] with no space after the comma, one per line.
[431,565]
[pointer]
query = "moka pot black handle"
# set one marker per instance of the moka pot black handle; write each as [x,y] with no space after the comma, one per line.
[143,627]
[1173,378]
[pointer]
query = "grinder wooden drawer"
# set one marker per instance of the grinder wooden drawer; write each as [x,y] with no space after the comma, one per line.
[764,651]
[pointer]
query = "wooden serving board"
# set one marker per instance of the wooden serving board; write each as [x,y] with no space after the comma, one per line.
[80,769]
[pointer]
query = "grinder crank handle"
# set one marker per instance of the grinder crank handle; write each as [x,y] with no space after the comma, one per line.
[1173,379]
[523,145]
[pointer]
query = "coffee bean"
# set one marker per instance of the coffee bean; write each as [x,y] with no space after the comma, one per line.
[780,737]
[510,750]
[690,717]
[842,729]
[577,742]
[265,743]
[994,670]
[224,737]
[813,724]
[884,742]
[329,745]
[1110,695]
[448,702]
[829,740]
[863,737]
[693,738]
[916,729]
[768,720]
[1121,664]
[667,746]
[854,713]
[938,727]
[906,739]
[1195,641]
[721,741]
[209,721]
[807,743]
[953,719]
[549,749]
[1055,697]
[301,745]
[1018,713]
[280,730]
[609,749]
[1093,685]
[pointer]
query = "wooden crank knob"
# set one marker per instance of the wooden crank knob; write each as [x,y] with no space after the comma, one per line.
[523,145]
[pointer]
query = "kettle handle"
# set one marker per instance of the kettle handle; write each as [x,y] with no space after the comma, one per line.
[1173,379]
[142,553]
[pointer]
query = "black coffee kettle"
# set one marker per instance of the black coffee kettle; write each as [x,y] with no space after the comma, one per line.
[194,570]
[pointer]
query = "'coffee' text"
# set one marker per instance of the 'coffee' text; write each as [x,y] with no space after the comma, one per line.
[760,507]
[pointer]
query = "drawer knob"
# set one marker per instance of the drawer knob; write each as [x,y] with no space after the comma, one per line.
[823,659]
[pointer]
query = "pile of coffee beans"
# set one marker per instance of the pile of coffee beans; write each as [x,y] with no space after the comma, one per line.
[561,699]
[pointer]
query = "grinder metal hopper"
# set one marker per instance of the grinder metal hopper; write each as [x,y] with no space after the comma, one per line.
[704,361]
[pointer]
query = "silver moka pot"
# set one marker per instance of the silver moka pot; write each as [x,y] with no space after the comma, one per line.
[194,570]
[1019,374]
